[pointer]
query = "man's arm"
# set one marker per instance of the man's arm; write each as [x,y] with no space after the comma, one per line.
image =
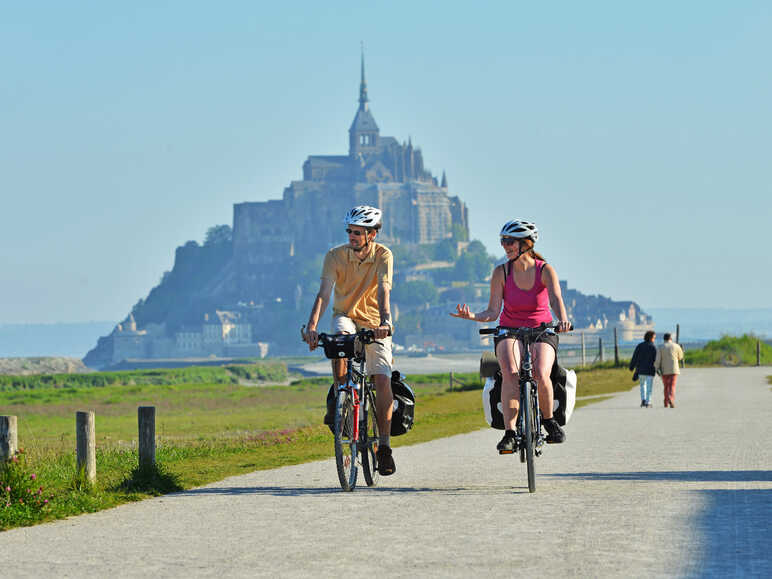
[320,305]
[634,359]
[384,310]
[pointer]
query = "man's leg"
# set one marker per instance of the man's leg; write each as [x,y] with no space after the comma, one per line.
[673,380]
[667,386]
[340,325]
[384,401]
[378,363]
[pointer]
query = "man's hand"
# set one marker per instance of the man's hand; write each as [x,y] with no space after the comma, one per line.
[382,331]
[311,337]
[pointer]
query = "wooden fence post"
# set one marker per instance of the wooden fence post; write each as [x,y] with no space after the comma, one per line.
[583,351]
[9,441]
[86,444]
[600,349]
[758,352]
[451,380]
[146,422]
[616,348]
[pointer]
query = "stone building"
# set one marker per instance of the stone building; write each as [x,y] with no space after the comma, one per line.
[378,170]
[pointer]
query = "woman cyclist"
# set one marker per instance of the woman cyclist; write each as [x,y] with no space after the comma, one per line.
[528,288]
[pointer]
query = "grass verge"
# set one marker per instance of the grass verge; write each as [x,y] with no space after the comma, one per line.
[206,432]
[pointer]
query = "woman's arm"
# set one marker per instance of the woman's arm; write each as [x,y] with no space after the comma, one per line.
[494,303]
[550,279]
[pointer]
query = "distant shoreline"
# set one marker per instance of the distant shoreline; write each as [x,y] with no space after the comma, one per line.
[74,339]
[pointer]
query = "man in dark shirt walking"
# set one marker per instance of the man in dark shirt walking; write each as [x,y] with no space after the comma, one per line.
[643,363]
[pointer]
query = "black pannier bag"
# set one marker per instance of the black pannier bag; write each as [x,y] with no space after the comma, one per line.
[563,387]
[403,414]
[329,418]
[492,401]
[564,393]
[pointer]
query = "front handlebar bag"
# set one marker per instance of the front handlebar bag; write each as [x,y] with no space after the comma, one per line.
[403,414]
[341,346]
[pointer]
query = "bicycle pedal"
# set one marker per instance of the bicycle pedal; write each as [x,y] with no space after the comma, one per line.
[507,452]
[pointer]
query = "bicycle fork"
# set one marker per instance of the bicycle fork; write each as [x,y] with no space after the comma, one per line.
[353,387]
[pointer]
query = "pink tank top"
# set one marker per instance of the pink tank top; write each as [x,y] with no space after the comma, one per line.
[525,308]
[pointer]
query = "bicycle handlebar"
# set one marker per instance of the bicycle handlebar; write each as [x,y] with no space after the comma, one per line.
[365,335]
[502,330]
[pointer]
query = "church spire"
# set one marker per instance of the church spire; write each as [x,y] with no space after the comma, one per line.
[363,133]
[363,84]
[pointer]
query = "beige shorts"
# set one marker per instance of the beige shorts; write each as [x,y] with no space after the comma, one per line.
[378,357]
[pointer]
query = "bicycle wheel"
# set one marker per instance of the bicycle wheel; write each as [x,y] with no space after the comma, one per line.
[529,434]
[345,445]
[369,438]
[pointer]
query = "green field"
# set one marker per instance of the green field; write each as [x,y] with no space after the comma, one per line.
[205,432]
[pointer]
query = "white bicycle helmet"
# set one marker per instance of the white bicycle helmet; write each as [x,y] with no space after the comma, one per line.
[364,216]
[521,229]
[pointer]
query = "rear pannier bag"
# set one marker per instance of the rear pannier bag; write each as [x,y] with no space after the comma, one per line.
[403,413]
[564,391]
[563,387]
[491,399]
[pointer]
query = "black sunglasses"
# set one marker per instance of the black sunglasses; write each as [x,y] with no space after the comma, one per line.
[355,232]
[509,240]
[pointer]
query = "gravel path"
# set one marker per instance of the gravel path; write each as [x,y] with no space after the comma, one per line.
[683,492]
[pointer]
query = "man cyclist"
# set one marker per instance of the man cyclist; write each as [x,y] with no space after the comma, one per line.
[361,272]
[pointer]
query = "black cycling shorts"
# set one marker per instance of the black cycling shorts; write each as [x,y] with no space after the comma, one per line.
[550,338]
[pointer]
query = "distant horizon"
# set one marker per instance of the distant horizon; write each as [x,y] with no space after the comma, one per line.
[644,309]
[75,339]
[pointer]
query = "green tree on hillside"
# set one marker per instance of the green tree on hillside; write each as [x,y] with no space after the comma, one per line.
[218,234]
[413,293]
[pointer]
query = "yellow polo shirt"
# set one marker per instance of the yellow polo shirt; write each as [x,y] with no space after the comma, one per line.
[356,282]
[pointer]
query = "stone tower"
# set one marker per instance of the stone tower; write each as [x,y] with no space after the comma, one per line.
[363,133]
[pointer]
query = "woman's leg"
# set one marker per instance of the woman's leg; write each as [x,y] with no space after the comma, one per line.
[509,357]
[642,379]
[543,359]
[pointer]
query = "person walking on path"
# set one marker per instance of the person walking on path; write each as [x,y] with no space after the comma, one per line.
[361,273]
[643,363]
[669,354]
[527,287]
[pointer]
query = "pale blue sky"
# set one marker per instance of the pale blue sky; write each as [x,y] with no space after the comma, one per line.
[637,137]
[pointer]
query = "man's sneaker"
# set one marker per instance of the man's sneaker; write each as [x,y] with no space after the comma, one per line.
[643,404]
[508,444]
[555,434]
[386,464]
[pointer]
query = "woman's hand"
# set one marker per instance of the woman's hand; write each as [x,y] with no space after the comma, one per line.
[564,326]
[463,312]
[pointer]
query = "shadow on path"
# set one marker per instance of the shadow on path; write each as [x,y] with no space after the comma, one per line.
[736,541]
[310,491]
[674,475]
